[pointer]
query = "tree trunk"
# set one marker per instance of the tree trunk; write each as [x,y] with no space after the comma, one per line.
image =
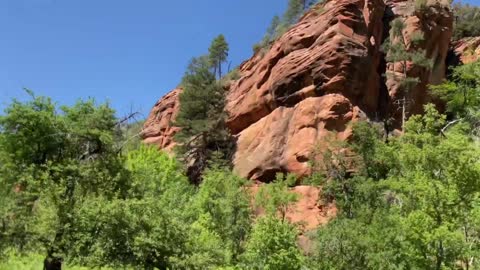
[219,69]
[404,112]
[439,256]
[52,263]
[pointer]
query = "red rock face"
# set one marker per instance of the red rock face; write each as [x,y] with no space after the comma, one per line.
[435,24]
[325,72]
[284,140]
[157,129]
[467,49]
[313,81]
[334,50]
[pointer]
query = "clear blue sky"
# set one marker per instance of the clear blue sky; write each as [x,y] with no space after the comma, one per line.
[129,52]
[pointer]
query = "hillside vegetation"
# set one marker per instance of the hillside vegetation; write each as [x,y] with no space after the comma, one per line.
[78,190]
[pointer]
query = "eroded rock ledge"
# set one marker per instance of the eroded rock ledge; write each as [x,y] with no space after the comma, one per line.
[158,129]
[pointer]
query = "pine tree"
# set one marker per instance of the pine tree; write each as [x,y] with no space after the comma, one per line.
[273,245]
[218,53]
[272,30]
[203,138]
[294,10]
[399,51]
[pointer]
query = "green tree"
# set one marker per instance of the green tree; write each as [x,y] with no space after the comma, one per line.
[272,242]
[204,137]
[130,135]
[294,10]
[50,162]
[218,54]
[373,243]
[437,183]
[272,29]
[279,26]
[272,245]
[270,36]
[221,217]
[421,214]
[399,51]
[276,198]
[461,91]
[467,19]
[144,228]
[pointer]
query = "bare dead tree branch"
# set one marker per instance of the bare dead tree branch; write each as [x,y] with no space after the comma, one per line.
[127,118]
[448,125]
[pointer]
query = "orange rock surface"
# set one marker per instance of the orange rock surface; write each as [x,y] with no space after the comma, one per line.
[158,129]
[326,71]
[283,141]
[467,49]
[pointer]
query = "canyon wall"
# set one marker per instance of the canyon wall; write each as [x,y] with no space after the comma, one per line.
[325,72]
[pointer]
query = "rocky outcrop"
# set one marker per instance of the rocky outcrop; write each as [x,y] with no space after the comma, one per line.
[284,140]
[325,72]
[435,24]
[309,210]
[158,129]
[327,69]
[333,49]
[314,80]
[293,98]
[467,50]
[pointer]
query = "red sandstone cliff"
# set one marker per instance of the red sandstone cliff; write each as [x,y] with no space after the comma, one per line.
[158,129]
[325,72]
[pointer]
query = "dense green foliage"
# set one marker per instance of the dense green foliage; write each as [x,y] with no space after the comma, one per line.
[411,202]
[35,262]
[414,206]
[398,51]
[467,20]
[275,198]
[79,191]
[51,161]
[203,138]
[461,92]
[272,245]
[272,242]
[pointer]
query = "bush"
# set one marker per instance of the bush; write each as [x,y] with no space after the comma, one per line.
[272,245]
[33,262]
